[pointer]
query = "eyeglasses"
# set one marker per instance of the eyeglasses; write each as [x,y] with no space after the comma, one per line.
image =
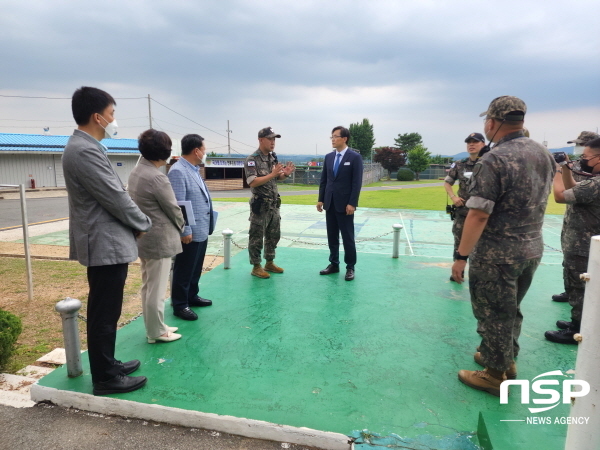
[334,137]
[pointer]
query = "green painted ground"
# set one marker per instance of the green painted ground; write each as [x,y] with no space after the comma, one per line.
[378,354]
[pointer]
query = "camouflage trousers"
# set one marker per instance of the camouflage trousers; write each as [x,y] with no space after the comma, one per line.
[457,227]
[266,227]
[573,266]
[496,294]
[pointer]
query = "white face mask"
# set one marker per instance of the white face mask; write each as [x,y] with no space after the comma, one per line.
[578,149]
[111,129]
[204,159]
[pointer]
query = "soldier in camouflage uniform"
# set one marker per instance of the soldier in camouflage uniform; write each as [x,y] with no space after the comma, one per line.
[461,171]
[581,222]
[581,141]
[262,172]
[503,237]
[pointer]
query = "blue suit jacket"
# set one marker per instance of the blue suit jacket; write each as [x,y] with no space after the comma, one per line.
[343,188]
[188,187]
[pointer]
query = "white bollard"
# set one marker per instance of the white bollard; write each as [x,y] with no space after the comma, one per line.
[227,233]
[396,251]
[586,436]
[68,309]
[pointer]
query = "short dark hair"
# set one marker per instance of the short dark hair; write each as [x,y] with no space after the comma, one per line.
[87,101]
[189,142]
[344,132]
[594,144]
[155,145]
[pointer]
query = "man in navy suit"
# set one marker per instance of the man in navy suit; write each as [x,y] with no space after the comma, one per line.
[188,185]
[339,189]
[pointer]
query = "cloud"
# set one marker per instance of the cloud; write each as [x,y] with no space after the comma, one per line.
[427,66]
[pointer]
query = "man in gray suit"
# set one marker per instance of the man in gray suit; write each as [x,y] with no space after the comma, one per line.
[103,225]
[188,185]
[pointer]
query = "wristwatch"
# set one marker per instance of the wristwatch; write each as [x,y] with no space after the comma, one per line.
[459,256]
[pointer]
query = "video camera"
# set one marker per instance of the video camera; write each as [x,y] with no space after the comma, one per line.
[559,157]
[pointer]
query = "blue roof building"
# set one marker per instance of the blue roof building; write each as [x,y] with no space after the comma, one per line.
[27,157]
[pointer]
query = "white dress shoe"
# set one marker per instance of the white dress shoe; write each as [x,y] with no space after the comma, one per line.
[172,329]
[170,337]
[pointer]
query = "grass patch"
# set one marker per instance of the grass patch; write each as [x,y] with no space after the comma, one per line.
[396,183]
[52,281]
[297,187]
[425,198]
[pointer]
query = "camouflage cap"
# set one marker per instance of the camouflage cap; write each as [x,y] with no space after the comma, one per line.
[584,137]
[504,106]
[268,133]
[475,137]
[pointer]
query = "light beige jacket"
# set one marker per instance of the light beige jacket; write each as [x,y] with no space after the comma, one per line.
[151,190]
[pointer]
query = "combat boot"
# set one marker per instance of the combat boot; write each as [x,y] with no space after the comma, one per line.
[488,380]
[560,297]
[562,336]
[511,373]
[259,272]
[271,267]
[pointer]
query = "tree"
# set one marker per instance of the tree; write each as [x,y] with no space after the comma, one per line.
[407,141]
[362,138]
[390,158]
[213,155]
[439,159]
[418,159]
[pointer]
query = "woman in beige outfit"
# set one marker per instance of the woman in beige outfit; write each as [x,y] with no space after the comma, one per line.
[151,190]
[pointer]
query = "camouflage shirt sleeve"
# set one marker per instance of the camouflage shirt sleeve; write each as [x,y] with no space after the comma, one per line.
[584,192]
[452,174]
[250,169]
[486,184]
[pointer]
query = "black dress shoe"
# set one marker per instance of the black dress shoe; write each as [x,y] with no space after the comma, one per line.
[562,336]
[349,275]
[331,268]
[560,297]
[199,301]
[119,384]
[563,324]
[129,366]
[186,314]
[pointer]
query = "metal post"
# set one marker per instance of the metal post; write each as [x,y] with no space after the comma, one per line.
[228,143]
[26,243]
[583,436]
[227,233]
[68,309]
[149,112]
[396,251]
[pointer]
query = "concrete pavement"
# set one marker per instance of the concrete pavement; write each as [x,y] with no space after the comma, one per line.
[46,426]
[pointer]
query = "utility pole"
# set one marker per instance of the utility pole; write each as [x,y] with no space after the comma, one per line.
[228,144]
[149,112]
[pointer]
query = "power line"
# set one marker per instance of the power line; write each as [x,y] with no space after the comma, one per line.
[65,121]
[177,132]
[199,124]
[64,98]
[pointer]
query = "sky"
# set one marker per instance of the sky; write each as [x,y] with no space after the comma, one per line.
[303,67]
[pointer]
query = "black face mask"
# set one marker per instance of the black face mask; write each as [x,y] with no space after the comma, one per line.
[585,166]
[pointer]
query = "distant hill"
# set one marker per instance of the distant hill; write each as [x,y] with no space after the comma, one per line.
[568,150]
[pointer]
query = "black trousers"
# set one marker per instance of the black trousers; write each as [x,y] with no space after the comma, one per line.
[340,223]
[105,302]
[186,274]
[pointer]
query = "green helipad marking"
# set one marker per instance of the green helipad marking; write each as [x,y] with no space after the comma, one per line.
[56,238]
[429,232]
[380,353]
